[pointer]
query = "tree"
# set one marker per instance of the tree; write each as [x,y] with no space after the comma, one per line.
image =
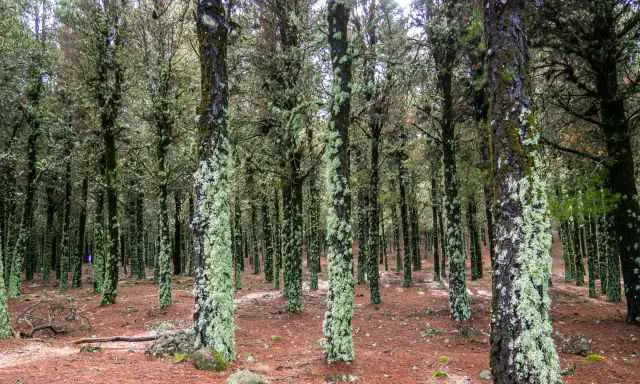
[5,319]
[589,47]
[444,40]
[23,253]
[522,349]
[214,309]
[338,345]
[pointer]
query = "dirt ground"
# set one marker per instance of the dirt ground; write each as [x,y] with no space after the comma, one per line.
[404,340]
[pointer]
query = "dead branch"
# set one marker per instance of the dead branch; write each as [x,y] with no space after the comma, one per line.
[130,339]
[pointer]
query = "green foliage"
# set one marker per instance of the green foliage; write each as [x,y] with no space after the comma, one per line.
[180,357]
[431,332]
[439,374]
[594,358]
[443,359]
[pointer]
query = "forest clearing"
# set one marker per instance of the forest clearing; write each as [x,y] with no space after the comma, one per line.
[319,191]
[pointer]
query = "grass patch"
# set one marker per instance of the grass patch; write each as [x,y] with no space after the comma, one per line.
[443,359]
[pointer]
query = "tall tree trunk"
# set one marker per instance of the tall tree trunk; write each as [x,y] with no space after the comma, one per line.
[474,239]
[268,244]
[214,310]
[362,215]
[396,238]
[177,233]
[65,259]
[82,227]
[277,229]
[375,127]
[109,96]
[140,229]
[458,300]
[337,330]
[522,349]
[435,199]
[404,214]
[5,319]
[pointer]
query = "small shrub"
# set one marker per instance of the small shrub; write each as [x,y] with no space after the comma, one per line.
[440,374]
[429,331]
[443,359]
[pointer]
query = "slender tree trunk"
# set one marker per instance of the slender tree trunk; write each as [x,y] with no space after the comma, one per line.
[474,239]
[436,225]
[337,330]
[177,234]
[374,220]
[268,244]
[110,77]
[5,319]
[140,249]
[65,259]
[82,226]
[404,215]
[277,239]
[458,300]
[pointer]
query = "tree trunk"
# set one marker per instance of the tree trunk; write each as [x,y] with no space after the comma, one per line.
[522,349]
[82,226]
[214,324]
[65,259]
[277,228]
[474,239]
[268,245]
[435,198]
[404,214]
[337,330]
[177,234]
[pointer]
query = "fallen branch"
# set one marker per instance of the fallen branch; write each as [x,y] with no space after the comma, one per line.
[130,339]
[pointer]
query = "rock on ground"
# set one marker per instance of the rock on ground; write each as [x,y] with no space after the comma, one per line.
[204,360]
[246,377]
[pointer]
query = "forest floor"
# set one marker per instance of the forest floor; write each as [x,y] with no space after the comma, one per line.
[406,339]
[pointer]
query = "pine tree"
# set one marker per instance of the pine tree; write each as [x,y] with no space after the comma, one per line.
[214,323]
[338,345]
[522,348]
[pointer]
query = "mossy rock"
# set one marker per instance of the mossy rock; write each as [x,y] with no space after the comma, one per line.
[246,377]
[206,359]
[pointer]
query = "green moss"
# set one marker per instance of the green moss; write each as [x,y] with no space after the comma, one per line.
[275,338]
[443,359]
[440,374]
[221,363]
[594,358]
[180,357]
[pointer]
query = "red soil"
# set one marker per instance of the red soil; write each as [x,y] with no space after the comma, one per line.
[389,341]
